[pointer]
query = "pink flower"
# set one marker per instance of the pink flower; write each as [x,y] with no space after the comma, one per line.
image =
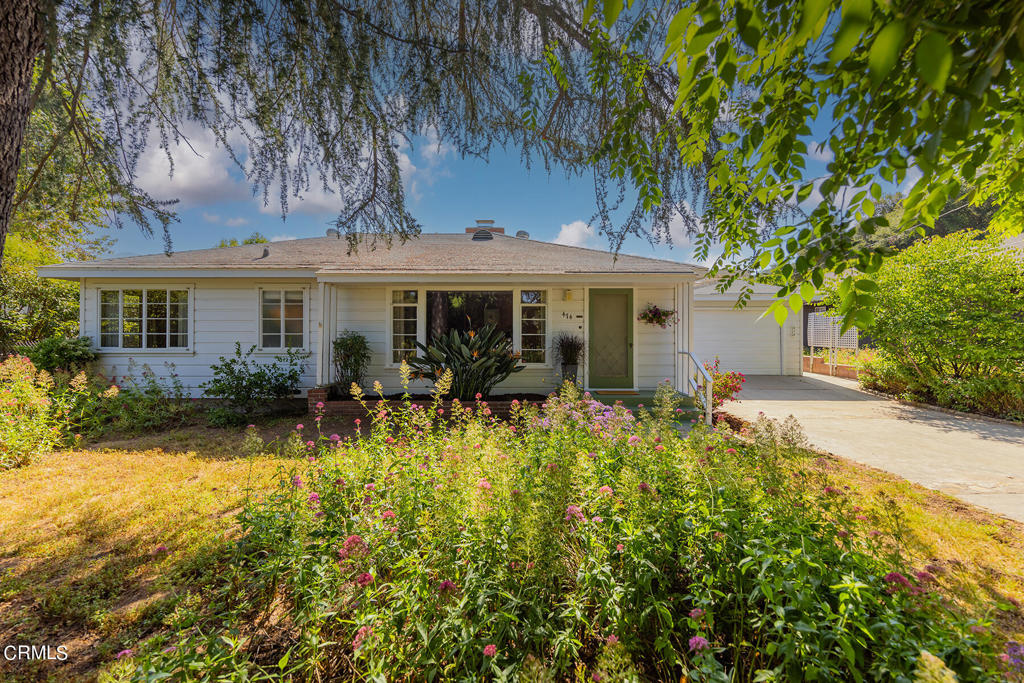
[298,426]
[124,653]
[478,396]
[314,498]
[364,579]
[696,613]
[484,485]
[620,547]
[574,513]
[363,633]
[612,639]
[697,644]
[644,487]
[446,586]
[605,491]
[596,519]
[490,650]
[297,481]
[388,514]
[370,487]
[730,450]
[335,437]
[634,440]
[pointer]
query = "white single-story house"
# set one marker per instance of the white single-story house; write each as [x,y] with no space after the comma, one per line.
[186,309]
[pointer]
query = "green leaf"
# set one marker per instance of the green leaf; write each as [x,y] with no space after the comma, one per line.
[814,10]
[796,302]
[856,17]
[612,10]
[780,313]
[934,58]
[866,285]
[886,50]
[807,291]
[679,23]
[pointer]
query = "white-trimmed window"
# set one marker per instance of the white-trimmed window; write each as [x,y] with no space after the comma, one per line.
[404,309]
[533,317]
[144,318]
[282,318]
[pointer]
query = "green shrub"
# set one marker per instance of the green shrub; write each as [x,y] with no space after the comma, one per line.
[352,356]
[947,320]
[997,395]
[143,402]
[35,410]
[70,354]
[250,388]
[478,361]
[573,543]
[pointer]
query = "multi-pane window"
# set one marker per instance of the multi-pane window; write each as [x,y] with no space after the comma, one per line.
[403,324]
[534,325]
[144,318]
[282,319]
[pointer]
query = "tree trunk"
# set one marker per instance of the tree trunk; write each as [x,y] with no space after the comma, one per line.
[22,36]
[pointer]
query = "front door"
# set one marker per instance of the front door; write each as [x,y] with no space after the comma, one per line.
[611,339]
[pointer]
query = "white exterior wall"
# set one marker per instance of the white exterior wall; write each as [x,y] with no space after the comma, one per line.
[654,347]
[222,312]
[744,343]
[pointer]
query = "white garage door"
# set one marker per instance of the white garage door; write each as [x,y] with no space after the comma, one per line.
[739,339]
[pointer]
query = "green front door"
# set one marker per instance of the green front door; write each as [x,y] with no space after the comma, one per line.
[611,339]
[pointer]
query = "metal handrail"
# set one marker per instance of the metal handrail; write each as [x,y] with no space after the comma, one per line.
[708,385]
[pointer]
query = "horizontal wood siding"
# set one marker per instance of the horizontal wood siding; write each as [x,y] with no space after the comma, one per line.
[654,346]
[223,312]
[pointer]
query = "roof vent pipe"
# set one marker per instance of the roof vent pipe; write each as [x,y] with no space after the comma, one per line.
[522,234]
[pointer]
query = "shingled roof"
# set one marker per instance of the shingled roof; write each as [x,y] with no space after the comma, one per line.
[428,253]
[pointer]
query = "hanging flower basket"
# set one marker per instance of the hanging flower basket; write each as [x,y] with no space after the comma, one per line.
[654,315]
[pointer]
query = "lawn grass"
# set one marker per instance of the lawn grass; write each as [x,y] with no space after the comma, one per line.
[82,563]
[97,546]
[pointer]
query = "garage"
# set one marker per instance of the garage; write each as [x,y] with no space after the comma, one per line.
[739,339]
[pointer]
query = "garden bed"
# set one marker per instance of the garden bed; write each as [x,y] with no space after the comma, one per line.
[127,585]
[499,405]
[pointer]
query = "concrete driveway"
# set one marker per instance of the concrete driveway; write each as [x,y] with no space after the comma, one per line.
[978,461]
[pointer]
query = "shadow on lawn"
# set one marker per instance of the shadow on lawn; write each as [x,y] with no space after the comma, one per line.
[97,548]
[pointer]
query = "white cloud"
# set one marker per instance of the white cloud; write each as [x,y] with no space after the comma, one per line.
[819,151]
[211,217]
[282,238]
[576,234]
[236,222]
[202,171]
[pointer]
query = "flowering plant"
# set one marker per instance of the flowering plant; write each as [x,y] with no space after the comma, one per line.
[724,385]
[655,315]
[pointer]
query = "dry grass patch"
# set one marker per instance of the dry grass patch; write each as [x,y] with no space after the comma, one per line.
[977,556]
[97,546]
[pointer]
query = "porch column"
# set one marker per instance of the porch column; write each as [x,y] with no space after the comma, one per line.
[678,342]
[321,343]
[688,298]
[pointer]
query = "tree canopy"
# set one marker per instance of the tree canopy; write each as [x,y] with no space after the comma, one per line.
[927,94]
[699,111]
[254,238]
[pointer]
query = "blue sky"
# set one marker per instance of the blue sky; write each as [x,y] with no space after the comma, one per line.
[446,194]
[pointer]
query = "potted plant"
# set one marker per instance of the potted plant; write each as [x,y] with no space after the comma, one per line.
[569,350]
[655,315]
[351,357]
